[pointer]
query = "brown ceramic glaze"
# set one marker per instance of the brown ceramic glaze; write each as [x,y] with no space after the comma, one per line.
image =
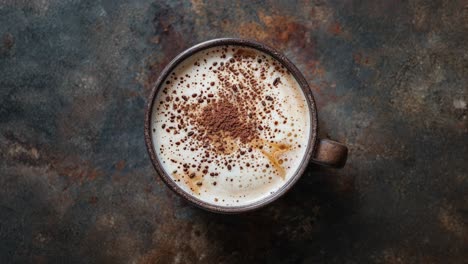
[321,151]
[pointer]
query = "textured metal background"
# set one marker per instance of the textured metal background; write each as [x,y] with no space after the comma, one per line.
[77,186]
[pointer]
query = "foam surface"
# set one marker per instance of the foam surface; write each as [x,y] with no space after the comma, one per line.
[230,125]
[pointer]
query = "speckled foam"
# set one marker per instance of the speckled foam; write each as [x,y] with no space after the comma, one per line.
[249,171]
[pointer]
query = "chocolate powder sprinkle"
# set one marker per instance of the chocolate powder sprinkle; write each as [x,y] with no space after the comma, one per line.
[276,81]
[223,117]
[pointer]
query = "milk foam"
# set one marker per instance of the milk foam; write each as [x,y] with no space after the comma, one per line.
[243,172]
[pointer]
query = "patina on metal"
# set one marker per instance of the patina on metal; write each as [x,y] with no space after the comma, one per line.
[329,152]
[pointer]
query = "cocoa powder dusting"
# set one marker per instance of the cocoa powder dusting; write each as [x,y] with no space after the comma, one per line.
[223,118]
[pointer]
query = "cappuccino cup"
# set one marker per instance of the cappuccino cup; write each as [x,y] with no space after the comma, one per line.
[231,125]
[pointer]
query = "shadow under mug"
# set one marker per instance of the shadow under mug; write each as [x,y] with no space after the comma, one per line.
[320,151]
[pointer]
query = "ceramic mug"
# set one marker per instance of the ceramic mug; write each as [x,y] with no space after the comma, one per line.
[320,151]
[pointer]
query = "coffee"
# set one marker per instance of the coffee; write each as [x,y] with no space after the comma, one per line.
[230,125]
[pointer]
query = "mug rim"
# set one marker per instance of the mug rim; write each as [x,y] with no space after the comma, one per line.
[311,144]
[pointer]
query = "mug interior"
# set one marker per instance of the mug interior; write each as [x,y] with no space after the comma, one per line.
[310,104]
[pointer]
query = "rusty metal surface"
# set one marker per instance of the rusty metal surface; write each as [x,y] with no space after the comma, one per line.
[77,186]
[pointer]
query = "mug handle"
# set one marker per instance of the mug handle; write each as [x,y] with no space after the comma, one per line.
[330,153]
